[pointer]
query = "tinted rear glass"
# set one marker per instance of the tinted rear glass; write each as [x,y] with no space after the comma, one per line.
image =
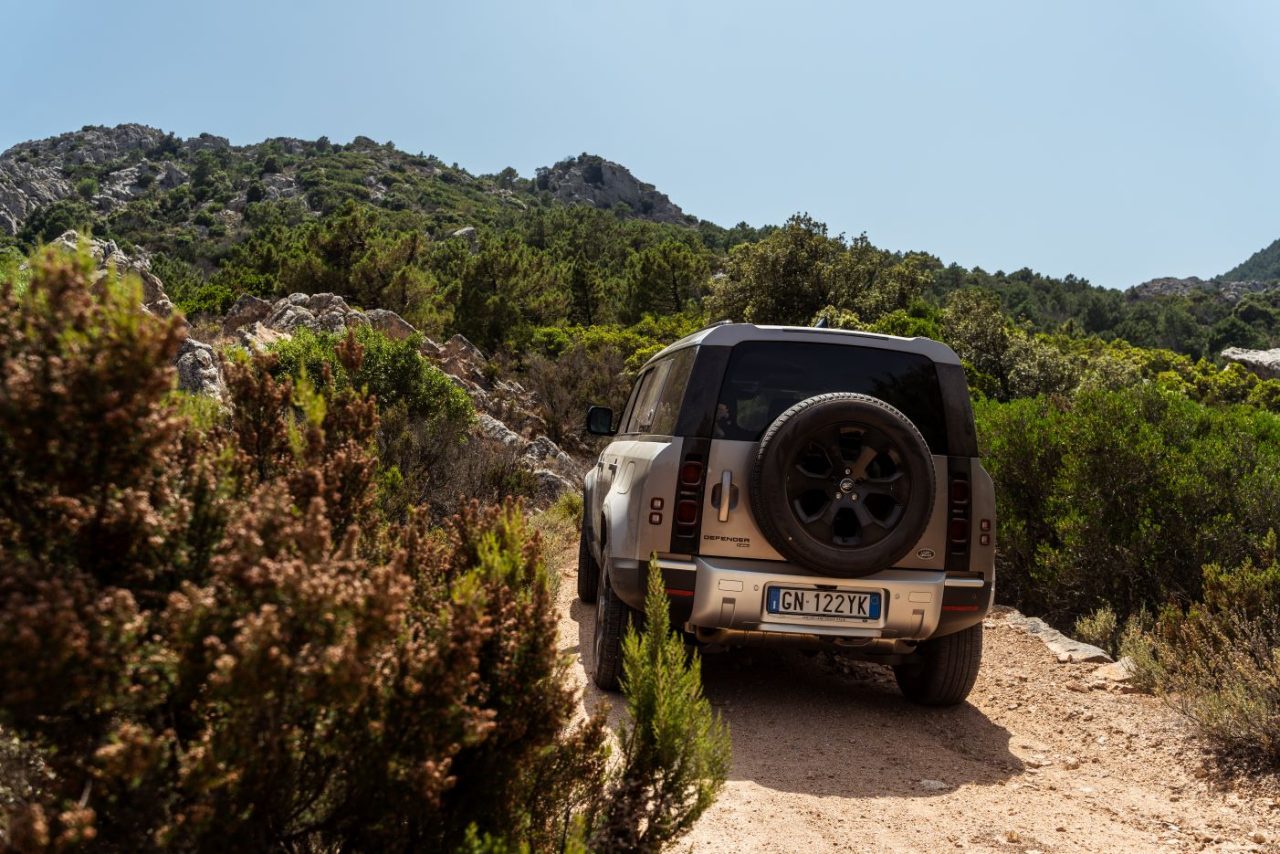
[766,378]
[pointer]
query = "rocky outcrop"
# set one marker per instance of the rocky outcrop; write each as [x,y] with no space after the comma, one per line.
[317,312]
[108,256]
[198,369]
[1173,287]
[390,324]
[197,363]
[1264,363]
[588,179]
[506,411]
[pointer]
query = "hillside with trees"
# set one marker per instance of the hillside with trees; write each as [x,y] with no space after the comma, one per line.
[1263,265]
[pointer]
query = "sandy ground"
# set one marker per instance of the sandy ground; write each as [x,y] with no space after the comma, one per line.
[828,756]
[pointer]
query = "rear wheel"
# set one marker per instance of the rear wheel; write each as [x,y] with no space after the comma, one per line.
[588,569]
[613,617]
[944,669]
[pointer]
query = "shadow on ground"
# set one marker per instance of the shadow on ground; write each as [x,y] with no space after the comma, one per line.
[818,725]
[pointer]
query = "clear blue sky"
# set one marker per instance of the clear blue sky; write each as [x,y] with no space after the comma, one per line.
[1117,141]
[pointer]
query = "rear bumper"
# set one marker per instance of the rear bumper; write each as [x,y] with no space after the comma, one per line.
[915,604]
[730,594]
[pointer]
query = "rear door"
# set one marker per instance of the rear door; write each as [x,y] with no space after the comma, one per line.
[763,379]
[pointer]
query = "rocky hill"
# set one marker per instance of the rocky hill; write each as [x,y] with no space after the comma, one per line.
[147,176]
[1263,264]
[593,180]
[1226,290]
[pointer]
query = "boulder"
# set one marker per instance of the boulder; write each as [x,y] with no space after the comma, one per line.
[543,449]
[492,428]
[389,323]
[1116,671]
[318,312]
[248,310]
[198,370]
[1264,363]
[550,485]
[288,316]
[465,360]
[259,338]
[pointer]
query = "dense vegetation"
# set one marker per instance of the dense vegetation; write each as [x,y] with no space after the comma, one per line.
[212,636]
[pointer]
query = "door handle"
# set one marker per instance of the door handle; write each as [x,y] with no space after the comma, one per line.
[613,466]
[726,486]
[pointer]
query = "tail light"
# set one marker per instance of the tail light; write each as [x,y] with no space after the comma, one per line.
[691,484]
[958,531]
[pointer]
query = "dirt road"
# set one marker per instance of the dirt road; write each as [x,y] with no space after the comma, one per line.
[828,757]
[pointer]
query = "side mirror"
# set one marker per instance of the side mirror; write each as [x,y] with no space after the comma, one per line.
[600,421]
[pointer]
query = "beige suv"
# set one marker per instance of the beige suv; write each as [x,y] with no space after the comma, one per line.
[797,486]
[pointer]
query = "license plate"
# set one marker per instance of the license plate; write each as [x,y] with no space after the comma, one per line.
[823,603]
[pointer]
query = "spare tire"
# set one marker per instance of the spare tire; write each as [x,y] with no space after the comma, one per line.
[843,484]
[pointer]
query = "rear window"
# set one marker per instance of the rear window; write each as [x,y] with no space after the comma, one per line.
[766,378]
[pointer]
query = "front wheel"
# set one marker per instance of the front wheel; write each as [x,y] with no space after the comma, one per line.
[944,669]
[613,617]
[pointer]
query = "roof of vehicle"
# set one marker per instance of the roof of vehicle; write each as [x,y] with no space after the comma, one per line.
[726,334]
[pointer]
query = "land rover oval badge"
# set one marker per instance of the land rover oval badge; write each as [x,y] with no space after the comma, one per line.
[925,554]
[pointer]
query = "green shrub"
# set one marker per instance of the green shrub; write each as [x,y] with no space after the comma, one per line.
[1100,629]
[1119,497]
[675,752]
[391,370]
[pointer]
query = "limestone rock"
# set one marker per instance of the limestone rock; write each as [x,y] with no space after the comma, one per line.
[1264,363]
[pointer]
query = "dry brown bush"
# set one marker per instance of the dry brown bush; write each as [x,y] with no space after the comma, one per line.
[214,640]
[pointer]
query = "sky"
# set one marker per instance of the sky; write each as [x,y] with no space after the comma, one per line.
[1117,141]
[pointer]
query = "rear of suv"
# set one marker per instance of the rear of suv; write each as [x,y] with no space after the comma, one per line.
[799,486]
